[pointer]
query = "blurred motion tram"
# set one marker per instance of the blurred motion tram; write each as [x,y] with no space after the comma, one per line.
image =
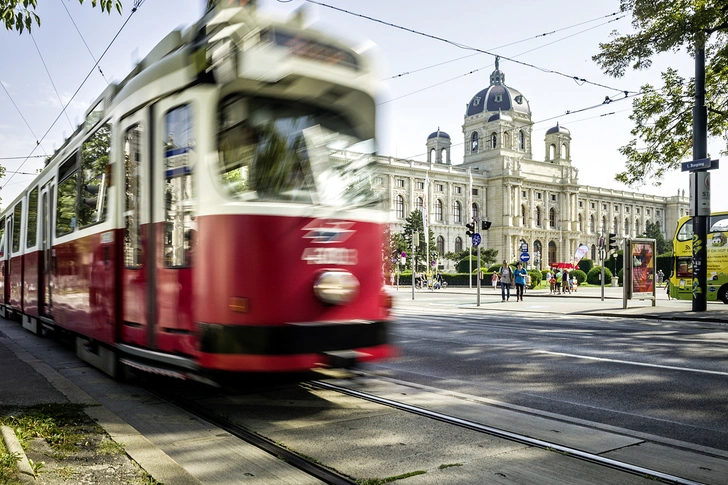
[215,213]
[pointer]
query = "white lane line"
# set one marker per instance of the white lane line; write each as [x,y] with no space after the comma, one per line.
[687,369]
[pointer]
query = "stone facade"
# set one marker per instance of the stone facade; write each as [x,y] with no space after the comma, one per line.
[537,202]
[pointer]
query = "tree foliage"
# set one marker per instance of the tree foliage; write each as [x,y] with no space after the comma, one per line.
[20,14]
[414,223]
[653,231]
[663,116]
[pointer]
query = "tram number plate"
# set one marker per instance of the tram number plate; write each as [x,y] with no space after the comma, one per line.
[342,256]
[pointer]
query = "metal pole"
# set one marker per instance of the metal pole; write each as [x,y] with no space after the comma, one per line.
[477,275]
[470,266]
[700,150]
[414,265]
[602,254]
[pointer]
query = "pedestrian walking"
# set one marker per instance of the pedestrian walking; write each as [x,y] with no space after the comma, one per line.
[520,276]
[667,286]
[506,278]
[565,287]
[494,280]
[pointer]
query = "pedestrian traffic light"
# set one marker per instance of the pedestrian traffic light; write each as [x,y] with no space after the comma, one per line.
[471,229]
[612,241]
[601,242]
[485,225]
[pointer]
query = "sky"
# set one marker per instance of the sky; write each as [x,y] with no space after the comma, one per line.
[426,83]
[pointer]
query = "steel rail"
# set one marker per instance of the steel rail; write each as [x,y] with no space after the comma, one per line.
[324,474]
[582,455]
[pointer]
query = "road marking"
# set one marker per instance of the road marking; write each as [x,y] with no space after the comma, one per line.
[702,371]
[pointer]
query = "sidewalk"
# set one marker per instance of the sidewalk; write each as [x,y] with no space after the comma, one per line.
[585,301]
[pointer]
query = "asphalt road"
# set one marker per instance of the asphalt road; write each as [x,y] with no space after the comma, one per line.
[668,379]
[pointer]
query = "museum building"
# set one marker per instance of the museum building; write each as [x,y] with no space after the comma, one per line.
[539,202]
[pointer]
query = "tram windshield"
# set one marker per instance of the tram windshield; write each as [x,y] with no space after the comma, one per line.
[270,150]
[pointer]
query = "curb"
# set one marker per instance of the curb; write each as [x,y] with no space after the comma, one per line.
[14,448]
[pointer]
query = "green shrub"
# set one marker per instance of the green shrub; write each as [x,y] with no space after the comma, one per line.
[593,277]
[464,265]
[536,277]
[579,275]
[620,275]
[586,265]
[495,268]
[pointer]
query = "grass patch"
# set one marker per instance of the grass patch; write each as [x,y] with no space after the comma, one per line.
[380,481]
[8,466]
[62,426]
[111,447]
[449,465]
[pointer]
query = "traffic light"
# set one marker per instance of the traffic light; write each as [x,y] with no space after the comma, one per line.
[601,242]
[471,229]
[485,225]
[612,241]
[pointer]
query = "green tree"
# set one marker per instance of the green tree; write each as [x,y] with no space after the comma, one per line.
[413,223]
[394,246]
[663,116]
[20,14]
[653,231]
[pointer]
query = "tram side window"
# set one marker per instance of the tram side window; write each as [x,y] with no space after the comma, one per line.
[17,217]
[67,195]
[32,228]
[94,176]
[2,237]
[180,228]
[132,229]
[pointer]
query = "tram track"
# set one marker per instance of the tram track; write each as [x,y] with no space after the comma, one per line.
[319,470]
[511,436]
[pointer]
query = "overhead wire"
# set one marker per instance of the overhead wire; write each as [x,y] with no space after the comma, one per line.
[83,39]
[37,142]
[51,79]
[544,34]
[580,81]
[490,65]
[137,4]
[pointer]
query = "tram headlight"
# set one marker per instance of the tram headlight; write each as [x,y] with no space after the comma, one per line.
[336,287]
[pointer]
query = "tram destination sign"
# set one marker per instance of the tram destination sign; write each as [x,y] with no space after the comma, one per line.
[700,164]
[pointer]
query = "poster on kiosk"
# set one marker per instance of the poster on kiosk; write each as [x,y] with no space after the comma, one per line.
[641,268]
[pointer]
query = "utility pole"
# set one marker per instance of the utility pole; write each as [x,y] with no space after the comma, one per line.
[700,183]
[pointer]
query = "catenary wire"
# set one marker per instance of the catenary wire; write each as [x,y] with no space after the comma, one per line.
[51,79]
[137,4]
[397,76]
[83,39]
[580,81]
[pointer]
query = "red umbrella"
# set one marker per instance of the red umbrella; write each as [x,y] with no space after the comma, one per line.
[562,265]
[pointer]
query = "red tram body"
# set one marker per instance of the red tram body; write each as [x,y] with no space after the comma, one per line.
[216,212]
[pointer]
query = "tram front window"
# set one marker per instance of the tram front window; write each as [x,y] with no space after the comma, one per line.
[271,150]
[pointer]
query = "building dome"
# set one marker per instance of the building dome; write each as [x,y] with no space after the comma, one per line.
[498,97]
[438,134]
[558,129]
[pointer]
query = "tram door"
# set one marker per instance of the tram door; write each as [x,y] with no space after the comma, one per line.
[3,268]
[137,245]
[45,297]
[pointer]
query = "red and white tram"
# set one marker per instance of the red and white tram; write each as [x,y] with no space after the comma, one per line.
[215,211]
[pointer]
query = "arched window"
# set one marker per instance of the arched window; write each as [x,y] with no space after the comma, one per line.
[615,226]
[637,229]
[524,213]
[626,226]
[443,155]
[604,224]
[493,140]
[538,217]
[592,227]
[420,204]
[564,151]
[474,142]
[399,206]
[593,252]
[552,152]
[458,244]
[457,212]
[507,140]
[552,218]
[552,252]
[438,210]
[581,223]
[537,253]
[521,140]
[433,156]
[440,246]
[475,211]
